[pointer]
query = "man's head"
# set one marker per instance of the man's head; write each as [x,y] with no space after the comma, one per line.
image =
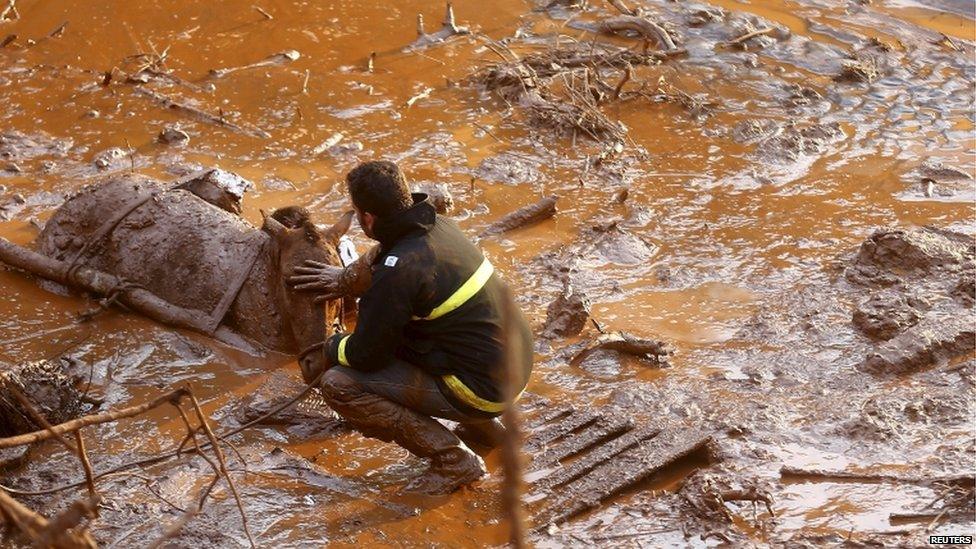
[377,189]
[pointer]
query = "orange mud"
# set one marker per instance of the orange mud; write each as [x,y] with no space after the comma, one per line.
[726,225]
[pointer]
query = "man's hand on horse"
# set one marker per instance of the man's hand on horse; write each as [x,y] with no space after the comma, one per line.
[326,280]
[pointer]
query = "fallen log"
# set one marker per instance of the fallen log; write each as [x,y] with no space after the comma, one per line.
[966,480]
[528,215]
[647,29]
[137,299]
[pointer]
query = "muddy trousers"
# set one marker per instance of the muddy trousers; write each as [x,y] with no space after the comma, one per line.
[398,403]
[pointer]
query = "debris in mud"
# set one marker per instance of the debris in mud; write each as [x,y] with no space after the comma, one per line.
[865,65]
[110,158]
[896,415]
[199,114]
[787,142]
[750,37]
[439,196]
[507,168]
[275,60]
[609,468]
[919,305]
[890,254]
[642,26]
[928,342]
[622,342]
[522,217]
[173,135]
[449,29]
[887,313]
[935,169]
[567,315]
[15,145]
[709,494]
[51,390]
[562,87]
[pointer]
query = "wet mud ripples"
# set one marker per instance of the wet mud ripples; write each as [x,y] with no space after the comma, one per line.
[726,222]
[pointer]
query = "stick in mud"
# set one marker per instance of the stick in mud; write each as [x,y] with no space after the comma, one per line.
[527,215]
[964,479]
[198,114]
[740,41]
[275,60]
[647,29]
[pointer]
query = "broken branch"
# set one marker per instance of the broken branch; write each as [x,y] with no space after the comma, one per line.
[527,215]
[198,114]
[643,26]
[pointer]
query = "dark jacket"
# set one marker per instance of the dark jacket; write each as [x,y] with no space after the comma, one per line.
[424,261]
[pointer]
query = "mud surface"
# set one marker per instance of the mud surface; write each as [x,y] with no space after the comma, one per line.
[758,203]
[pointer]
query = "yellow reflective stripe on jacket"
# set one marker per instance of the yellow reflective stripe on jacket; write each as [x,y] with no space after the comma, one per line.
[467,396]
[471,286]
[342,351]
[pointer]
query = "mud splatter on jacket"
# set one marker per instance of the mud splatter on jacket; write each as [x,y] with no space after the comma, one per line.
[435,302]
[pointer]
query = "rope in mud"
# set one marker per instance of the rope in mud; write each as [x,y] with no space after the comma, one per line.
[172,453]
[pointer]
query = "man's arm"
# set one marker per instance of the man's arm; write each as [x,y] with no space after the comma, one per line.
[331,282]
[384,311]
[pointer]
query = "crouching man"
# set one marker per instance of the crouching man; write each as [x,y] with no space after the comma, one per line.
[434,331]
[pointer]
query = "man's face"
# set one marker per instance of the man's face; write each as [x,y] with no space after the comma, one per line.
[366,220]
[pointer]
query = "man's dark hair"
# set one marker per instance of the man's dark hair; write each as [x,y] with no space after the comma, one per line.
[379,187]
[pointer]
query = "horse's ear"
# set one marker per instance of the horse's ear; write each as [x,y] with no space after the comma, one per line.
[333,233]
[274,227]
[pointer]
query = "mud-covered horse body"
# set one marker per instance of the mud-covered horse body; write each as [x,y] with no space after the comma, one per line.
[196,254]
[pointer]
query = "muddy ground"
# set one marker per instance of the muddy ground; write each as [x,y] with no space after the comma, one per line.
[718,199]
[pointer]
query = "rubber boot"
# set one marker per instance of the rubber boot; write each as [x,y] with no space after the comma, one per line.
[488,434]
[452,464]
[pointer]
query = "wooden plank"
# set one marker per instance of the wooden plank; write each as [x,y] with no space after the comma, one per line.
[549,415]
[622,472]
[600,431]
[593,459]
[550,433]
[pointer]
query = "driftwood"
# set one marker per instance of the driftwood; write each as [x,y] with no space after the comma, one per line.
[647,29]
[101,283]
[275,60]
[199,114]
[966,480]
[741,40]
[449,29]
[628,344]
[528,215]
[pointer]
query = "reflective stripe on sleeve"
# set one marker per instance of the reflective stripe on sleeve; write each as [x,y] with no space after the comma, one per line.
[342,351]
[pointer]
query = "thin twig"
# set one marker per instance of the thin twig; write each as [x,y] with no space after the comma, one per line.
[86,464]
[223,463]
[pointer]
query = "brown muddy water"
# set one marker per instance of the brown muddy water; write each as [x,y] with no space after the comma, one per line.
[725,227]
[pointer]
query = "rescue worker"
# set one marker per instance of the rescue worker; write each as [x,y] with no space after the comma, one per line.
[434,331]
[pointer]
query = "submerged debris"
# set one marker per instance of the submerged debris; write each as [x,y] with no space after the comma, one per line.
[562,87]
[448,29]
[51,390]
[567,315]
[527,215]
